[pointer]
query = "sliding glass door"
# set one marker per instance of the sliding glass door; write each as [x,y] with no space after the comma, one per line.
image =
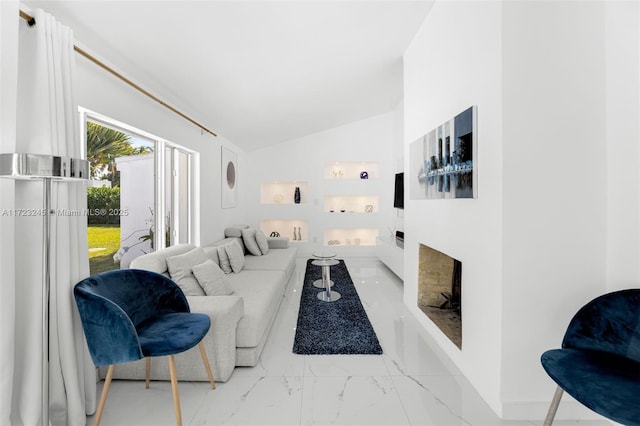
[140,197]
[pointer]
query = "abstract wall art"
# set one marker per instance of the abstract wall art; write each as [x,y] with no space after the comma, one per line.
[229,178]
[443,162]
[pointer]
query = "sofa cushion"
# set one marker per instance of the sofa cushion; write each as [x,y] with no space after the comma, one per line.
[249,238]
[212,280]
[262,242]
[181,271]
[225,265]
[234,231]
[157,261]
[261,291]
[275,260]
[236,255]
[212,254]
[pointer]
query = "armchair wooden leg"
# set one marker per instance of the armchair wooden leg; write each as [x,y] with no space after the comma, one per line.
[553,407]
[174,390]
[147,372]
[103,397]
[207,365]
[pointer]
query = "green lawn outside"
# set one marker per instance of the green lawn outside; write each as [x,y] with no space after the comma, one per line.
[104,242]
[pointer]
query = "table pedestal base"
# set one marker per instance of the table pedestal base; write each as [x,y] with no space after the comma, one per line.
[329,296]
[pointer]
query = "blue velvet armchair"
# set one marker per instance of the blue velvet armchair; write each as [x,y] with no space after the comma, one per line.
[599,363]
[132,314]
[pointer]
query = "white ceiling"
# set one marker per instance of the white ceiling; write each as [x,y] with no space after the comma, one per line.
[256,72]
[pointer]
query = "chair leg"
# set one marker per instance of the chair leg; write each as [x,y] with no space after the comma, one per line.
[103,397]
[147,372]
[174,390]
[207,365]
[553,407]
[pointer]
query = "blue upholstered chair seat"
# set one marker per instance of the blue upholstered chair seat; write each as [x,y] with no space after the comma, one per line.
[599,363]
[130,314]
[606,383]
[173,333]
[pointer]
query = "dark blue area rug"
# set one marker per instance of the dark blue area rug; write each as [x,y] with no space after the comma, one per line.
[331,328]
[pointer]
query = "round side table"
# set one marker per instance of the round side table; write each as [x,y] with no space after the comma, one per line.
[326,261]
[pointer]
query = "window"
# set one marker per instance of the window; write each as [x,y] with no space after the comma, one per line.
[141,193]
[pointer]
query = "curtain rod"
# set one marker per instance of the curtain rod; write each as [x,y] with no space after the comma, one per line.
[31,22]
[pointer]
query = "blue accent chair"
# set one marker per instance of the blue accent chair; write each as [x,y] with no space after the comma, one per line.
[131,314]
[599,363]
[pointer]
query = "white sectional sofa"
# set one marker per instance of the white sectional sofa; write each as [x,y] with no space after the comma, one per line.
[241,321]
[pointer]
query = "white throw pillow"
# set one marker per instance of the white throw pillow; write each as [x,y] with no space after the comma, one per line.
[225,265]
[212,279]
[249,239]
[236,255]
[181,271]
[262,242]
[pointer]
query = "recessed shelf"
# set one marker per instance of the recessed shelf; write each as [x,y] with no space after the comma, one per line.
[360,170]
[285,228]
[351,203]
[350,237]
[282,192]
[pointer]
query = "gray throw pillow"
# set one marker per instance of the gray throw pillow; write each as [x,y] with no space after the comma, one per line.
[212,279]
[262,242]
[225,265]
[236,255]
[181,271]
[249,239]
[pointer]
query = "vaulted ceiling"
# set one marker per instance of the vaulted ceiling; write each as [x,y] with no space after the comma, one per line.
[256,72]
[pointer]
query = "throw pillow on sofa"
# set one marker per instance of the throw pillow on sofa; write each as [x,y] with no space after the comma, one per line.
[249,240]
[236,255]
[223,257]
[262,242]
[212,279]
[181,270]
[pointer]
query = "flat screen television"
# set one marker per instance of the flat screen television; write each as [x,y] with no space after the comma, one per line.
[398,193]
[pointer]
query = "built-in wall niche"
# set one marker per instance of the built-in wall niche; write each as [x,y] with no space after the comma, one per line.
[296,230]
[283,192]
[440,291]
[350,237]
[351,170]
[351,203]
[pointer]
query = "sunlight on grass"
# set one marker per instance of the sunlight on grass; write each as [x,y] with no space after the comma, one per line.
[104,241]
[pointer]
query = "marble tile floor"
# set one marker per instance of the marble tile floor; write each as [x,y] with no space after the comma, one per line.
[412,383]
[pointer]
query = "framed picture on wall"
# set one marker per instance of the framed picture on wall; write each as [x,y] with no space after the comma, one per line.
[229,178]
[443,163]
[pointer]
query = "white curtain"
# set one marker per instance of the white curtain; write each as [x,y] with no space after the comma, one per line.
[46,123]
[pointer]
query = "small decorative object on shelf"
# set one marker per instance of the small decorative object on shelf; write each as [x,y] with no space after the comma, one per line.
[296,195]
[274,234]
[278,198]
[368,208]
[299,234]
[364,175]
[333,242]
[295,236]
[337,174]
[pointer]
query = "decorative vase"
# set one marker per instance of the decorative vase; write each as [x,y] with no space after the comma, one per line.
[296,195]
[364,175]
[299,234]
[295,236]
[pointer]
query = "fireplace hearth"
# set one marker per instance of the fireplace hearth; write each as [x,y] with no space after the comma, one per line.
[440,291]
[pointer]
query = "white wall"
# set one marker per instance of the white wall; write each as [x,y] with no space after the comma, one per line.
[556,219]
[623,144]
[452,64]
[303,159]
[100,92]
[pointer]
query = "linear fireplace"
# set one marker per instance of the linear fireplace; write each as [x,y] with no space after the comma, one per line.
[440,291]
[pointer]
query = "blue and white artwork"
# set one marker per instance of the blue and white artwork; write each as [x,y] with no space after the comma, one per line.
[442,161]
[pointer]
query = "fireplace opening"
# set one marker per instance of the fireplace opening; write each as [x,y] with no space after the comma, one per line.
[440,291]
